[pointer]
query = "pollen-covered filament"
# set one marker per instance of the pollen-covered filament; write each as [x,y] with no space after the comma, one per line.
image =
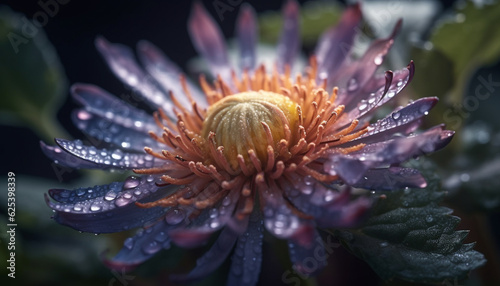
[250,121]
[265,132]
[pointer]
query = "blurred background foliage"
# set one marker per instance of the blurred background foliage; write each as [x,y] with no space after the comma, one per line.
[455,46]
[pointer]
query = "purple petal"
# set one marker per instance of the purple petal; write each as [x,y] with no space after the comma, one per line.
[404,120]
[364,105]
[281,222]
[247,257]
[359,73]
[400,80]
[246,28]
[345,214]
[123,64]
[167,74]
[208,41]
[108,208]
[208,222]
[99,102]
[335,44]
[289,43]
[107,159]
[389,179]
[213,258]
[352,167]
[308,260]
[64,158]
[103,131]
[141,247]
[328,206]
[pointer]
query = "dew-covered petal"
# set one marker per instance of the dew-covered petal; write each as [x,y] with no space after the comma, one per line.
[352,167]
[247,257]
[213,258]
[108,159]
[400,79]
[363,69]
[108,208]
[208,41]
[363,106]
[246,28]
[289,42]
[146,243]
[335,44]
[389,179]
[329,207]
[122,62]
[104,131]
[99,102]
[63,158]
[403,121]
[208,222]
[308,259]
[282,222]
[167,74]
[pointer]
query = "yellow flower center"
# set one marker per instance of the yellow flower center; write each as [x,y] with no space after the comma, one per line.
[250,121]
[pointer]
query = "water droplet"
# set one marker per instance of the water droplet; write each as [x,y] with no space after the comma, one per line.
[131,182]
[378,59]
[174,216]
[84,115]
[429,219]
[308,180]
[161,237]
[92,150]
[125,144]
[384,244]
[214,224]
[117,154]
[111,195]
[78,144]
[464,177]
[95,208]
[391,94]
[129,243]
[372,98]
[77,208]
[120,202]
[363,106]
[213,213]
[328,196]
[396,115]
[138,124]
[151,247]
[226,201]
[352,85]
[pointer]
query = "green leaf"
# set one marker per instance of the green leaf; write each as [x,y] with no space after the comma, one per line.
[32,80]
[315,18]
[409,236]
[470,40]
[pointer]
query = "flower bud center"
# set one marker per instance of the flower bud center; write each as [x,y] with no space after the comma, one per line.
[238,123]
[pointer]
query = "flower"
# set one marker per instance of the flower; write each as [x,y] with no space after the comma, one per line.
[256,148]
